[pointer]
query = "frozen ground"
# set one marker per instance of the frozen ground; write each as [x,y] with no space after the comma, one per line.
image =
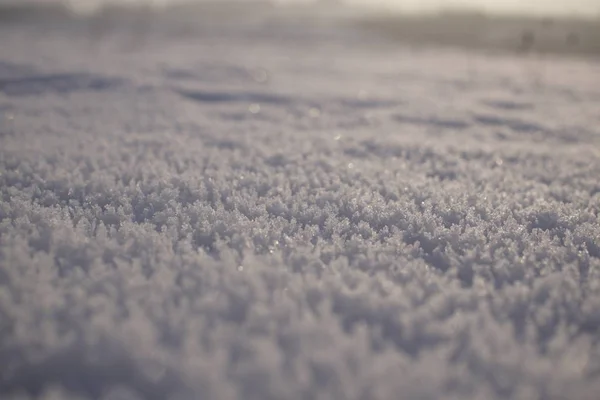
[261,208]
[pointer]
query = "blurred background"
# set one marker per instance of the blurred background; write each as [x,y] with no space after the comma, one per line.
[534,26]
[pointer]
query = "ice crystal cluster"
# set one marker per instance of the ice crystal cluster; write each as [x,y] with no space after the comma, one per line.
[241,212]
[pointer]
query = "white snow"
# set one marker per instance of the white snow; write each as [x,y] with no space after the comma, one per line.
[204,208]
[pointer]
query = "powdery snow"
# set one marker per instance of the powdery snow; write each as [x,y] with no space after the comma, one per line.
[280,211]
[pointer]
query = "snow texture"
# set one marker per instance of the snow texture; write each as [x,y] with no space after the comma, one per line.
[288,211]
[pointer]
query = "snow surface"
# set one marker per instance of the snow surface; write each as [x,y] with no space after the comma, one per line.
[251,209]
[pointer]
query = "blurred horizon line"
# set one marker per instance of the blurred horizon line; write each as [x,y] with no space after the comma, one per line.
[90,7]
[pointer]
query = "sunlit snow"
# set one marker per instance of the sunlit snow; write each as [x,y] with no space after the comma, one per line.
[216,206]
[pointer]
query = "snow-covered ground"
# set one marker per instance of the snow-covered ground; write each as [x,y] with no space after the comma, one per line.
[196,206]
